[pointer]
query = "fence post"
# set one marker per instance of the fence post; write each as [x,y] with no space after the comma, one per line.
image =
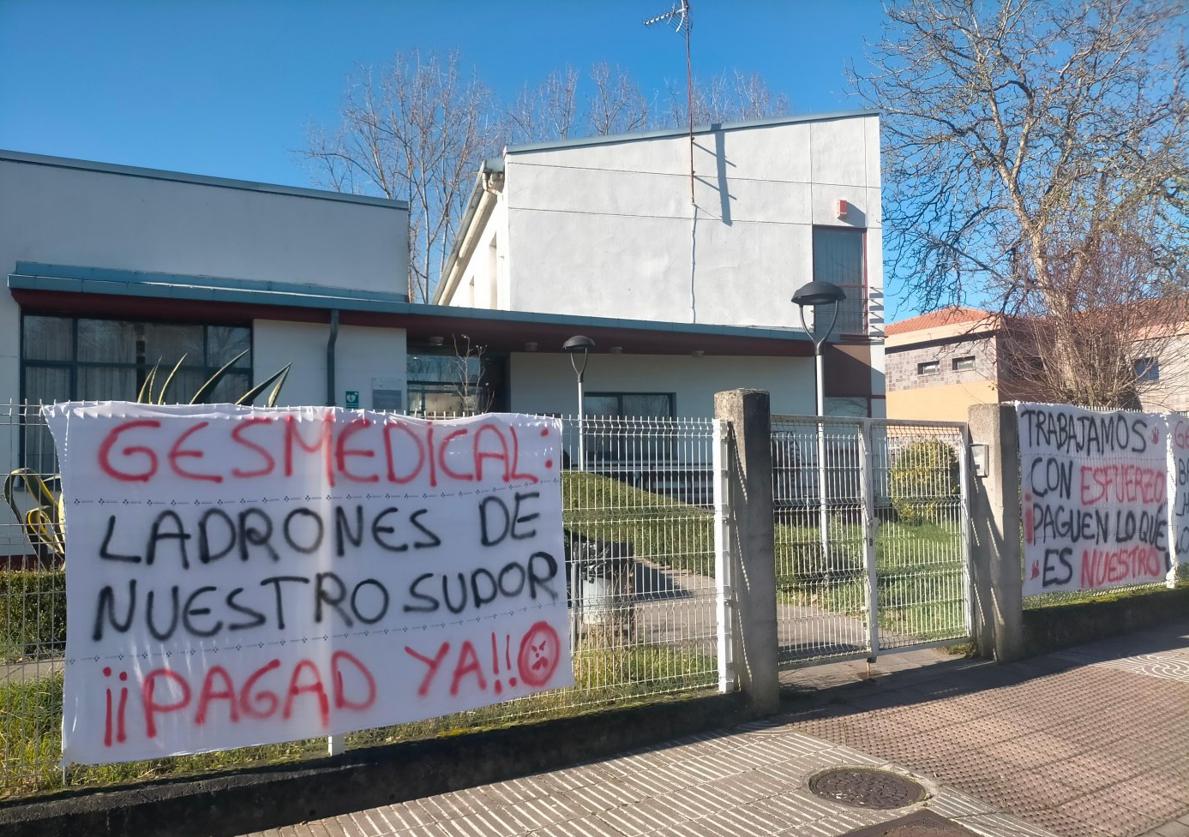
[746,420]
[867,496]
[995,552]
[724,595]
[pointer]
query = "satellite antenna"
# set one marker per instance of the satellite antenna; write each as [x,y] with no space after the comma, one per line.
[679,16]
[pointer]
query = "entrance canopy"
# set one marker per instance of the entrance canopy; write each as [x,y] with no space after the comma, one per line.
[57,289]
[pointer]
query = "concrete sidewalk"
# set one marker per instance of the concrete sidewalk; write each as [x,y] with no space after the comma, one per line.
[747,781]
[1093,741]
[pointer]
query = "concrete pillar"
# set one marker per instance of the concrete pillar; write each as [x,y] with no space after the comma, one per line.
[746,419]
[996,576]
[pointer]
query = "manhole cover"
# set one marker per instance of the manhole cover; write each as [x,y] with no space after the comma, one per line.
[866,788]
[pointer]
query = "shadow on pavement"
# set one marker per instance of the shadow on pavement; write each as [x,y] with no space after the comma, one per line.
[842,689]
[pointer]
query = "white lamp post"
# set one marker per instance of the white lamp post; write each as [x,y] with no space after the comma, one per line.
[580,344]
[820,293]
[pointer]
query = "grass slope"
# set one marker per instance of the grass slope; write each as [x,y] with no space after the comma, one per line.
[31,720]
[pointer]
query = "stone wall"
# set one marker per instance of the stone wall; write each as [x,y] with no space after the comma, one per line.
[902,363]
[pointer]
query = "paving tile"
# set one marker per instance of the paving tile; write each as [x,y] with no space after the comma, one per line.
[369,824]
[491,823]
[1086,744]
[1172,829]
[324,828]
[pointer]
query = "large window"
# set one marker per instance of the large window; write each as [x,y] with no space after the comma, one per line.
[453,384]
[838,258]
[633,404]
[71,359]
[614,440]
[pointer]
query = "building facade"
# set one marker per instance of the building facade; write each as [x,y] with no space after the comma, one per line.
[621,227]
[113,271]
[111,268]
[941,364]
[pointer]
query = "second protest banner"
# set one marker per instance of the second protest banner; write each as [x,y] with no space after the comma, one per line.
[1095,498]
[239,576]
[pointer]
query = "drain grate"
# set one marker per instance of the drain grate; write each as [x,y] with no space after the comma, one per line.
[864,787]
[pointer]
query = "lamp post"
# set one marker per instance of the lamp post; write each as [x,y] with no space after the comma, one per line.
[580,344]
[820,293]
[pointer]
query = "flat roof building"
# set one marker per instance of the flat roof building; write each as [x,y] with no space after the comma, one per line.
[111,268]
[607,227]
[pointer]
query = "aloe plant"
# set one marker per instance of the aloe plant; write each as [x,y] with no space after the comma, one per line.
[44,520]
[276,380]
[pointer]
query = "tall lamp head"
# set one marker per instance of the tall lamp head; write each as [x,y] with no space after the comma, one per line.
[815,294]
[579,344]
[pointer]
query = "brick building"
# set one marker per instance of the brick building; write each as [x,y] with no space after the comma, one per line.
[941,363]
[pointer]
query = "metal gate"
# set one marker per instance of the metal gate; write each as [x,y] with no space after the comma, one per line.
[871,536]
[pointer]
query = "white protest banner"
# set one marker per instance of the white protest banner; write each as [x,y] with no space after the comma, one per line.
[238,576]
[1178,481]
[1094,496]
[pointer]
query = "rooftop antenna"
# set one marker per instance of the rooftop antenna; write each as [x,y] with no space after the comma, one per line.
[679,16]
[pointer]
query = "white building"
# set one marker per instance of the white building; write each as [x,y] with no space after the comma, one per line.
[605,227]
[112,269]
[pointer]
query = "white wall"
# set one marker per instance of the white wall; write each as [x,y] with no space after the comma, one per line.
[97,219]
[362,354]
[487,268]
[275,344]
[544,383]
[70,216]
[609,230]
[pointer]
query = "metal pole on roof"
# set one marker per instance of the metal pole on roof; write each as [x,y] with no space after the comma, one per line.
[681,14]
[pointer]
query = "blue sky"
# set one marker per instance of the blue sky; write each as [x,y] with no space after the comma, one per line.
[228,88]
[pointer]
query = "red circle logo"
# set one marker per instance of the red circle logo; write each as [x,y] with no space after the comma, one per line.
[540,652]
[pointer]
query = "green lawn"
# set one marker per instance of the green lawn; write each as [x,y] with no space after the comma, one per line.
[31,720]
[919,566]
[665,531]
[1107,595]
[919,575]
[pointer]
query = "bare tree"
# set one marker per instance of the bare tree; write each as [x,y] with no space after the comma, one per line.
[755,100]
[1023,140]
[616,106]
[550,111]
[415,130]
[470,384]
[725,97]
[1121,325]
[566,104]
[418,129]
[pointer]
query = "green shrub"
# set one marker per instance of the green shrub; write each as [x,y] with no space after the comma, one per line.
[32,613]
[924,481]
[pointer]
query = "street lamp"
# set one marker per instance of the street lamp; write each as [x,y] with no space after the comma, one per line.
[579,344]
[817,294]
